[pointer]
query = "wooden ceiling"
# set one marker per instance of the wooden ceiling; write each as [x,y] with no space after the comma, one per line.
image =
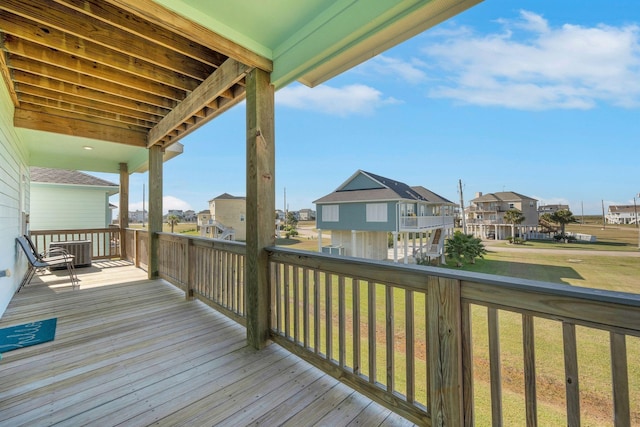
[125,71]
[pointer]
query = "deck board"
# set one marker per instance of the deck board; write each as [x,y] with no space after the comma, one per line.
[132,351]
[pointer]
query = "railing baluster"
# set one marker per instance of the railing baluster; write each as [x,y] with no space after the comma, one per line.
[372,331]
[467,366]
[494,367]
[571,374]
[316,311]
[328,285]
[410,352]
[287,303]
[390,338]
[528,349]
[305,307]
[341,323]
[355,321]
[620,379]
[296,304]
[277,284]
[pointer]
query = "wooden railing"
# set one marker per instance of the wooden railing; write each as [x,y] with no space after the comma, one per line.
[414,338]
[105,242]
[438,346]
[207,269]
[136,247]
[416,223]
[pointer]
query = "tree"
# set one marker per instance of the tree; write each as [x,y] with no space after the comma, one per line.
[172,220]
[563,217]
[464,247]
[291,221]
[515,217]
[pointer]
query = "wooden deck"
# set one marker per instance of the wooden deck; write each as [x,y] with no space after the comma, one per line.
[131,351]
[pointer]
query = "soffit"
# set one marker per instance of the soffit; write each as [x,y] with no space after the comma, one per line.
[139,73]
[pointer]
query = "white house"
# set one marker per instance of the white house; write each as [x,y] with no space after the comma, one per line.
[622,214]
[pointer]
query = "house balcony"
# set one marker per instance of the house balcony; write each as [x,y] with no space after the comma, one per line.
[434,346]
[424,223]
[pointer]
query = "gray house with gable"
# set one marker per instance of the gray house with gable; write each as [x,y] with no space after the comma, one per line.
[362,212]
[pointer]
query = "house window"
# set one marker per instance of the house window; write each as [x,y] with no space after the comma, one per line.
[376,212]
[241,217]
[331,213]
[531,204]
[512,205]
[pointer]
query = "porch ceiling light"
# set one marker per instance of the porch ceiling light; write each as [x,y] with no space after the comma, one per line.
[88,147]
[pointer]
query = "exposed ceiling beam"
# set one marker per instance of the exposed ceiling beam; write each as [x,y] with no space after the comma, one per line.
[51,38]
[80,79]
[225,77]
[150,31]
[76,113]
[61,18]
[171,21]
[57,107]
[46,84]
[87,102]
[22,50]
[68,126]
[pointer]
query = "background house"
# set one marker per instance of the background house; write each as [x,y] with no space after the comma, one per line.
[65,199]
[363,211]
[306,214]
[485,215]
[227,218]
[622,214]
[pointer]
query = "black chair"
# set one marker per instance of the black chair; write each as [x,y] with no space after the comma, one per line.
[41,261]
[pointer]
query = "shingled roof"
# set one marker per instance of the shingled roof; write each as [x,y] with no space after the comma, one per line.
[227,196]
[62,176]
[503,196]
[389,189]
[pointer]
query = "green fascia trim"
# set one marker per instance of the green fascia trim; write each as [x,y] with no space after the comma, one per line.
[340,28]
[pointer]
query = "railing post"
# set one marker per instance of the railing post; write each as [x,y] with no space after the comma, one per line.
[444,335]
[155,209]
[260,203]
[123,219]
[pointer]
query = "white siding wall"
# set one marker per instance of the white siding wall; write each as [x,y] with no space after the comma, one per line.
[59,208]
[14,200]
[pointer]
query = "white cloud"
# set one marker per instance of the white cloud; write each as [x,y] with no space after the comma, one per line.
[409,72]
[344,101]
[168,202]
[533,66]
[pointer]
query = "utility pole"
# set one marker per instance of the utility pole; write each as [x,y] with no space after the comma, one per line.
[603,221]
[462,214]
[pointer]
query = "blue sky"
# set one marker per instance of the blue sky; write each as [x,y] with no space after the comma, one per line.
[537,97]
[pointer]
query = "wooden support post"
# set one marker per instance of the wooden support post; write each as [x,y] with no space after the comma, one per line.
[123,216]
[155,207]
[261,205]
[444,335]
